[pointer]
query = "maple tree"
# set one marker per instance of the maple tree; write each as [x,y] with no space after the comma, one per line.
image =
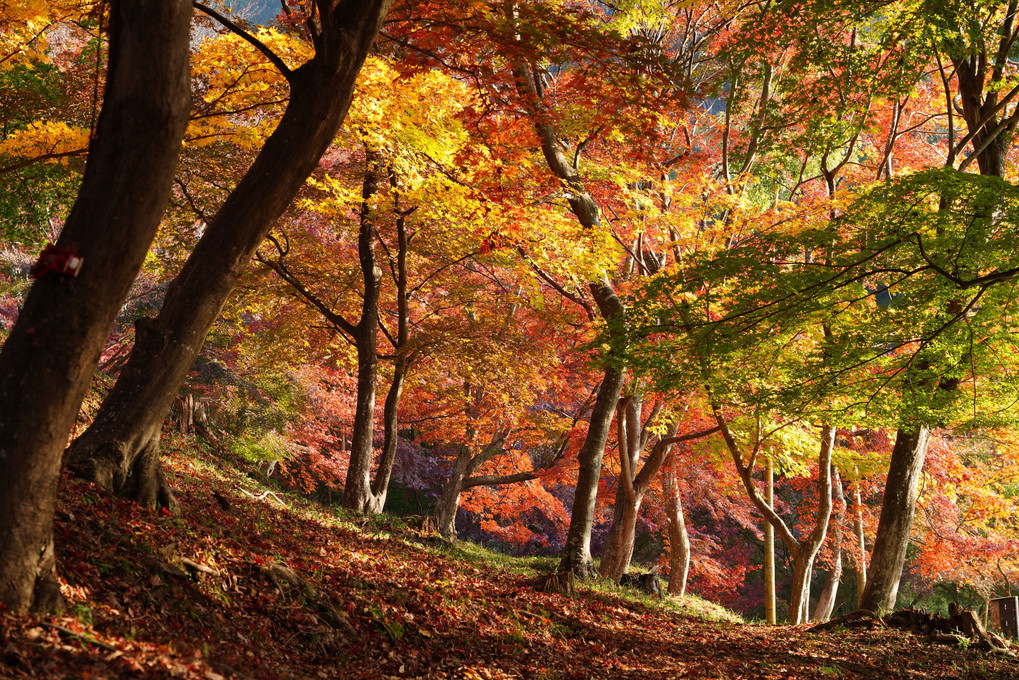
[52,350]
[560,229]
[122,443]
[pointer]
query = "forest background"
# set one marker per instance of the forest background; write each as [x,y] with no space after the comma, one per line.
[638,280]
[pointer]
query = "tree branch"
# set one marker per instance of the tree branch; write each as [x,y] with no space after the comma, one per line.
[255,42]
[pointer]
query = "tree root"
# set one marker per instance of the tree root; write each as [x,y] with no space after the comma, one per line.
[286,579]
[561,582]
[961,626]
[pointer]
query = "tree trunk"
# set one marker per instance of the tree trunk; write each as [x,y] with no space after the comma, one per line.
[449,501]
[679,537]
[829,593]
[896,522]
[799,589]
[861,542]
[770,602]
[401,364]
[53,349]
[577,551]
[390,426]
[165,348]
[357,493]
[826,601]
[634,435]
[802,552]
[618,548]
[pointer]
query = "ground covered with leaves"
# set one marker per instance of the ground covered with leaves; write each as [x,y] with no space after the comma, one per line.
[242,587]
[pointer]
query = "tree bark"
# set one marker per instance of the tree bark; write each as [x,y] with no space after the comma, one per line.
[128,422]
[679,537]
[449,500]
[770,602]
[826,600]
[896,521]
[390,427]
[464,466]
[803,552]
[53,349]
[861,542]
[577,550]
[357,492]
[631,488]
[401,364]
[630,441]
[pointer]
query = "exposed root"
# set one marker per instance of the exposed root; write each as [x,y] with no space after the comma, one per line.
[286,581]
[561,582]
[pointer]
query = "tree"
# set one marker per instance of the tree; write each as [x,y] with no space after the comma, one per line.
[48,360]
[977,41]
[634,435]
[120,450]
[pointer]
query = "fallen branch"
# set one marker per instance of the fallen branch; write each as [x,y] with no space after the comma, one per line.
[263,495]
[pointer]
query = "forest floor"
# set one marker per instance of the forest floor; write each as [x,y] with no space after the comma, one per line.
[263,591]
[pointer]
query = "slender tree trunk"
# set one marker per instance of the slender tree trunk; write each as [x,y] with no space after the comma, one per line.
[401,363]
[129,420]
[618,545]
[634,435]
[390,425]
[679,537]
[826,601]
[357,493]
[771,611]
[829,593]
[861,542]
[896,521]
[577,550]
[53,349]
[802,552]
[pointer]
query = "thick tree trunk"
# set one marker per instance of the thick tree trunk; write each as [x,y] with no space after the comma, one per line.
[449,501]
[896,522]
[53,349]
[128,422]
[618,548]
[799,589]
[577,551]
[826,600]
[679,537]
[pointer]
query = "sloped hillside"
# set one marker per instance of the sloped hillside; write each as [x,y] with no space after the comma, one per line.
[250,585]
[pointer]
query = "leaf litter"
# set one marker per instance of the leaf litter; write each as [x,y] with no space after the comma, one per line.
[263,592]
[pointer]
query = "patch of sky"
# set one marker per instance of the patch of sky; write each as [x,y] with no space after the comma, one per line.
[255,11]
